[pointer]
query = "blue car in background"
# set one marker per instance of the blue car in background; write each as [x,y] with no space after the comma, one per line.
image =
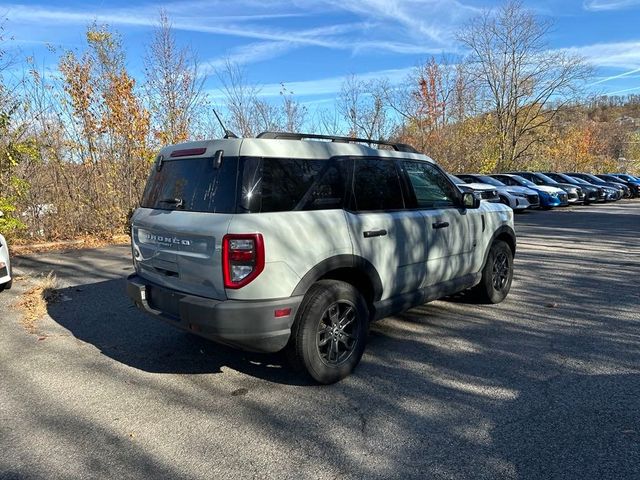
[549,196]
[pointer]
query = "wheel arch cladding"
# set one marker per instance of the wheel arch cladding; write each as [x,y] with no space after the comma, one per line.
[352,269]
[506,234]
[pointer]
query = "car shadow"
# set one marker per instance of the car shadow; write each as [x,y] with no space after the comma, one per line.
[101,314]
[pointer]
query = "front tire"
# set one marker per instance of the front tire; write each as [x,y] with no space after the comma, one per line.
[329,334]
[497,274]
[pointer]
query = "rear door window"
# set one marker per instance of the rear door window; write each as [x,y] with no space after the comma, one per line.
[376,185]
[193,185]
[286,184]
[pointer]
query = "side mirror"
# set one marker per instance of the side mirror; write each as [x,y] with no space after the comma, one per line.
[469,200]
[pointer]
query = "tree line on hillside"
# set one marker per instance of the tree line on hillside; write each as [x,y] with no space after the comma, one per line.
[76,145]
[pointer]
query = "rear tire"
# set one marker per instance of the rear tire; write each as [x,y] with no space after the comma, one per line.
[497,274]
[329,334]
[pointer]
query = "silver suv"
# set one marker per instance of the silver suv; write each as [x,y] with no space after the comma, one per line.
[298,242]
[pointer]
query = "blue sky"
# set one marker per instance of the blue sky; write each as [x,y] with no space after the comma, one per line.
[311,45]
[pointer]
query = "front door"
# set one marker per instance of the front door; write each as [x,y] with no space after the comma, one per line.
[449,230]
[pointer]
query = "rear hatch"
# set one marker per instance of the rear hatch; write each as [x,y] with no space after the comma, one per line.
[185,211]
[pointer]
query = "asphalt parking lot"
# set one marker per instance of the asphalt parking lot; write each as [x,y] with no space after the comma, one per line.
[544,385]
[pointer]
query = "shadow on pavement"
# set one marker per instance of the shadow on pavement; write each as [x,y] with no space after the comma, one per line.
[101,314]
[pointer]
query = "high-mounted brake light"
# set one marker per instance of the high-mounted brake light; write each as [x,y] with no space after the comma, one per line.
[187,152]
[242,258]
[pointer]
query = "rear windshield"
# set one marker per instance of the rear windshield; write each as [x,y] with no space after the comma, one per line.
[193,185]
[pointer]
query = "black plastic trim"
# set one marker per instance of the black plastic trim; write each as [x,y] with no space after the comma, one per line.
[336,262]
[249,325]
[405,301]
[501,230]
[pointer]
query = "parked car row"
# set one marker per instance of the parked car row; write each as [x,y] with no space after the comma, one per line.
[526,190]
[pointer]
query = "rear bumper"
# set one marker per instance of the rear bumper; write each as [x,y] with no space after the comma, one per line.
[249,325]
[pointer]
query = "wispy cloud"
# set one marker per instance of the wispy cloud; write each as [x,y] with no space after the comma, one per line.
[405,27]
[615,77]
[624,90]
[430,19]
[250,53]
[617,54]
[603,5]
[328,86]
[144,17]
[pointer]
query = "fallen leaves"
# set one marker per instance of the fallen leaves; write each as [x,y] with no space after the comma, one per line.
[33,303]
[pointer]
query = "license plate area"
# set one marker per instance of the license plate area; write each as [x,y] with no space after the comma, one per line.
[166,301]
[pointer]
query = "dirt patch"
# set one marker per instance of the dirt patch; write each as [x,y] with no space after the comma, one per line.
[20,248]
[33,303]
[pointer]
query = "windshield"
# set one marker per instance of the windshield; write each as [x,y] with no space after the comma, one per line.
[456,180]
[490,181]
[565,178]
[628,178]
[581,181]
[594,179]
[523,181]
[545,178]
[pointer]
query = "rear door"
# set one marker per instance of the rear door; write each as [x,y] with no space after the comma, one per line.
[185,211]
[450,232]
[382,230]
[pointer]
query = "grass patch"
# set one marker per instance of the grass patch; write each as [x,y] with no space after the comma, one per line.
[33,303]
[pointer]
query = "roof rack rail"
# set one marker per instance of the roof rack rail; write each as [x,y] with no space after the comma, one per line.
[399,147]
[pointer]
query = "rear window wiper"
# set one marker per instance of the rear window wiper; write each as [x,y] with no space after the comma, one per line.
[173,201]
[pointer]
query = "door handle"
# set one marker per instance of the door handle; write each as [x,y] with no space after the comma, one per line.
[440,224]
[374,233]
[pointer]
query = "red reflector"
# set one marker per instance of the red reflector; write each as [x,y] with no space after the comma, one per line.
[282,312]
[188,152]
[241,255]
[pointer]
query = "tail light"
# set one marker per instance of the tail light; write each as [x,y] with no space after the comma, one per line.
[242,258]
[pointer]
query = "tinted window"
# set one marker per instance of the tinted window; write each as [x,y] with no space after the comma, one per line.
[278,185]
[544,178]
[431,187]
[457,180]
[194,185]
[467,178]
[507,180]
[491,181]
[518,180]
[376,185]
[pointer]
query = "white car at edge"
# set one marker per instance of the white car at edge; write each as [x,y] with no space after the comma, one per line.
[5,264]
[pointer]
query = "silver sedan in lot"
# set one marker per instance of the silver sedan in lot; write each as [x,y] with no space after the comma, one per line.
[518,198]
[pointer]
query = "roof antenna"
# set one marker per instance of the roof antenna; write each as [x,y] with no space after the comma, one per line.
[227,133]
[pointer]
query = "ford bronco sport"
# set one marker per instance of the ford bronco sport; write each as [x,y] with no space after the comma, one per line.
[298,242]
